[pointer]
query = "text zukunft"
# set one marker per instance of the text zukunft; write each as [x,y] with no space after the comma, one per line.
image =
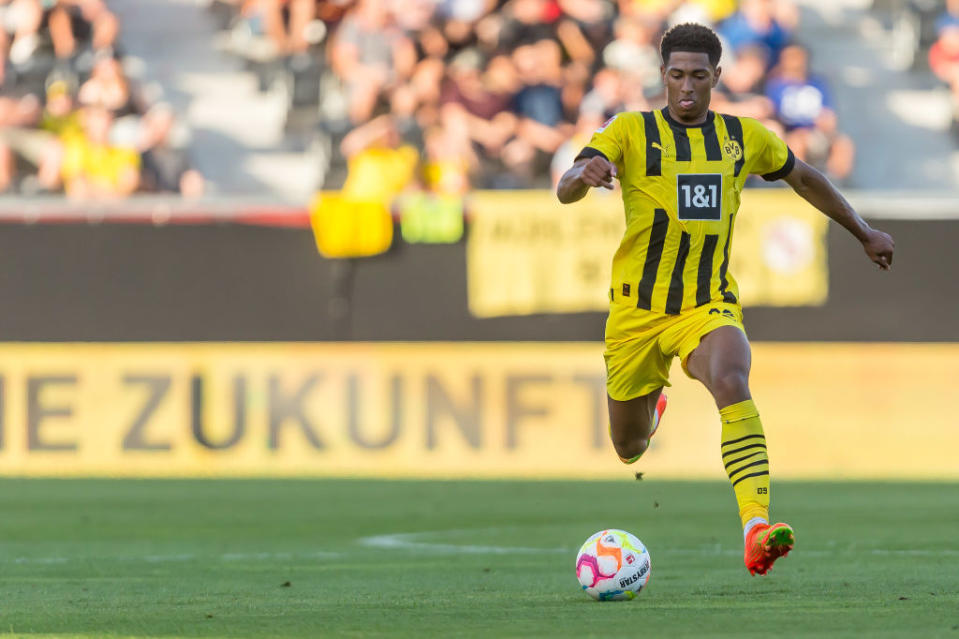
[320,410]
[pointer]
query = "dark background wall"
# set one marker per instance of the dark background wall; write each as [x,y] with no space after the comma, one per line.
[128,282]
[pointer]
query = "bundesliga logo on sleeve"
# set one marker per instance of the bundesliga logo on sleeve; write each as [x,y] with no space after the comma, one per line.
[606,124]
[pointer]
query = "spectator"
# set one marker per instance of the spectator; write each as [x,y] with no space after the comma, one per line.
[94,167]
[944,53]
[741,87]
[37,138]
[165,163]
[81,24]
[606,97]
[538,105]
[108,87]
[804,108]
[474,101]
[449,161]
[633,51]
[949,17]
[379,165]
[21,30]
[585,29]
[17,114]
[758,23]
[714,11]
[370,53]
[526,21]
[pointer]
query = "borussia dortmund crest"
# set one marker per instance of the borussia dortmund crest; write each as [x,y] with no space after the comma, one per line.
[732,149]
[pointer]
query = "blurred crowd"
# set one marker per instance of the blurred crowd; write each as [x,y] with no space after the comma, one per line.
[454,94]
[504,93]
[944,52]
[72,118]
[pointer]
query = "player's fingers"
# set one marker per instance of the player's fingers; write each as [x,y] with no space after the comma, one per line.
[612,170]
[607,185]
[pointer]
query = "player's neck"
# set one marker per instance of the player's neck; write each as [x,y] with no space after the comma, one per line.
[697,120]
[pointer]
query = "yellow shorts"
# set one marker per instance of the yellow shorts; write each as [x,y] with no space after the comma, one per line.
[640,345]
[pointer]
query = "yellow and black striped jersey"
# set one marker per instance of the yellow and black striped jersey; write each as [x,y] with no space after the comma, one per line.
[681,191]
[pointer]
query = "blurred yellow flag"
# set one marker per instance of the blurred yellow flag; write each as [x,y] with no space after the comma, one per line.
[347,227]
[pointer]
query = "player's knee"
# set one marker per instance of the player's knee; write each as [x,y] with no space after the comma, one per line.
[731,387]
[630,448]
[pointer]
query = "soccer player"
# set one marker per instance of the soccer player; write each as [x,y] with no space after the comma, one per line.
[682,170]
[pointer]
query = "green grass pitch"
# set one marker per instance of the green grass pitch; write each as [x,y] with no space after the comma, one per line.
[351,558]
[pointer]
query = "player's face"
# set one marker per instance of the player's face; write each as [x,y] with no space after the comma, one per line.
[689,80]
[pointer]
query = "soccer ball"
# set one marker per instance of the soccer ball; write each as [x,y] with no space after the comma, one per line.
[612,565]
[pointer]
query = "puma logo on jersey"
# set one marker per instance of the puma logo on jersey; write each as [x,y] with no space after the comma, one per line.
[665,150]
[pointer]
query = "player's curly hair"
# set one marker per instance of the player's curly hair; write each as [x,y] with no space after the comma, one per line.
[694,38]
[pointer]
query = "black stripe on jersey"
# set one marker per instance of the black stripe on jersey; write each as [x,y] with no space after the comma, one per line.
[674,301]
[705,277]
[711,140]
[783,172]
[590,152]
[654,157]
[723,283]
[654,253]
[683,152]
[735,129]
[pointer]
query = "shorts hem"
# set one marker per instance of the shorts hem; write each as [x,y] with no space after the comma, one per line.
[646,389]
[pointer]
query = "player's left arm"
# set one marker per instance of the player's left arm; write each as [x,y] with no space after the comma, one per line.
[816,189]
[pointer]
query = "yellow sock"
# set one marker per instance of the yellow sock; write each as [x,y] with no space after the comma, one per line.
[744,456]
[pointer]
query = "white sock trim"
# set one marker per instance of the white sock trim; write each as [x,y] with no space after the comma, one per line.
[751,524]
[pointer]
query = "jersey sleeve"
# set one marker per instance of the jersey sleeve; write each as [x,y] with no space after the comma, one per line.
[771,158]
[608,140]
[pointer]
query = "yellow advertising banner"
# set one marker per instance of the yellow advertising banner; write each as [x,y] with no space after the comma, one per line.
[779,255]
[453,410]
[527,253]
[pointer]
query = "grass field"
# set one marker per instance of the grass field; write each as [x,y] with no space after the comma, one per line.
[318,558]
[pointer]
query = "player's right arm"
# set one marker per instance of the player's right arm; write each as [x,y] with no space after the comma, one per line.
[596,171]
[595,166]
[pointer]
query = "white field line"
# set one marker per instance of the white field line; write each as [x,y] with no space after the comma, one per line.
[226,557]
[414,542]
[408,541]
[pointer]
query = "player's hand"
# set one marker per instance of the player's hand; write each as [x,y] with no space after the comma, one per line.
[879,247]
[598,172]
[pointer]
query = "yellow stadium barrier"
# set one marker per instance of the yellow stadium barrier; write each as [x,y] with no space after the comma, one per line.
[454,410]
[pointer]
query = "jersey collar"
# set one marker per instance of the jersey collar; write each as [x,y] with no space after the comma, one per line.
[674,123]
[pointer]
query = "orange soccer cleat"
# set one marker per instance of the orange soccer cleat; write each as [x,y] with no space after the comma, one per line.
[765,544]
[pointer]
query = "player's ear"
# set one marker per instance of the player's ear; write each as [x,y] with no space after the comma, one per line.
[716,75]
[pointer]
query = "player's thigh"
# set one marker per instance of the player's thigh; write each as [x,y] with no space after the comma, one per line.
[636,372]
[632,418]
[710,341]
[721,362]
